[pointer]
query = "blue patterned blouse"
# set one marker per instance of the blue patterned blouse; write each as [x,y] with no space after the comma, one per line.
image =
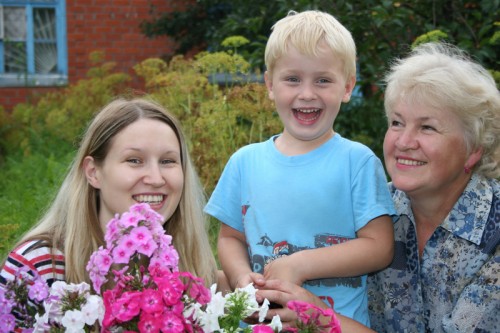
[455,286]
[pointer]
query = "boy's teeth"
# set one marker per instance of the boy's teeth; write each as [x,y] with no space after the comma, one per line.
[307,110]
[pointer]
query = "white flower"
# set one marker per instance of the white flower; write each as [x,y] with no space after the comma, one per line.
[263,310]
[93,310]
[251,302]
[276,323]
[41,323]
[73,321]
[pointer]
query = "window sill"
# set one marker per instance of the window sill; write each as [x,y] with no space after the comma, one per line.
[44,80]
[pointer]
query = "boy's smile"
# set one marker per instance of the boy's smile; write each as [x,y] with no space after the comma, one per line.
[307,91]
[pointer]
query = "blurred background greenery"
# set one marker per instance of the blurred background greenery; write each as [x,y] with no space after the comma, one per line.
[38,140]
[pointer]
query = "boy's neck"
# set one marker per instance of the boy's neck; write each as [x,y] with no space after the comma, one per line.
[291,146]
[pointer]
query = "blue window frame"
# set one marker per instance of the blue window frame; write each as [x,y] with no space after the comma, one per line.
[33,47]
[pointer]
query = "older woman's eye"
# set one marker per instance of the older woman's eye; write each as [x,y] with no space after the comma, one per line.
[134,160]
[395,123]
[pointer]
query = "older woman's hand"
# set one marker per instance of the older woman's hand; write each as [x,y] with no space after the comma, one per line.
[281,292]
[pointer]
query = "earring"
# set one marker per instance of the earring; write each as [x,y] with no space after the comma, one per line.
[467,169]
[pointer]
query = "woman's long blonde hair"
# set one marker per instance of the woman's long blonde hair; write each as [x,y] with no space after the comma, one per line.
[71,222]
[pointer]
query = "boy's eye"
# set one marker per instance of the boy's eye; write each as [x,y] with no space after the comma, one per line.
[324,81]
[293,79]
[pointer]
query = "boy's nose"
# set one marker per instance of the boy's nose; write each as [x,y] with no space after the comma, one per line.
[307,92]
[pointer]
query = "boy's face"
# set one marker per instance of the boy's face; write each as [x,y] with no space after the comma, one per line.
[308,91]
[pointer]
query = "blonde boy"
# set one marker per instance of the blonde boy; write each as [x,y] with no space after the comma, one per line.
[307,205]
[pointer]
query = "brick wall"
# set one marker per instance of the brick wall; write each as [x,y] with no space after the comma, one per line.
[111,26]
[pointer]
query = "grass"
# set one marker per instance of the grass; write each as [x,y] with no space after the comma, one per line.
[27,185]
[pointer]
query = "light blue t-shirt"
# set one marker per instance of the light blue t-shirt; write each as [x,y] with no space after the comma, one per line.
[285,204]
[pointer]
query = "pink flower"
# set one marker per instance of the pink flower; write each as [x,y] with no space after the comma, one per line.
[172,323]
[127,306]
[148,248]
[38,291]
[122,253]
[141,235]
[149,323]
[262,329]
[171,295]
[7,323]
[151,301]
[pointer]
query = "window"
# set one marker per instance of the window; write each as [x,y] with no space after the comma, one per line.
[33,49]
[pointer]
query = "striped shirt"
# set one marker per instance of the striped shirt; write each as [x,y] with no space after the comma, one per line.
[37,258]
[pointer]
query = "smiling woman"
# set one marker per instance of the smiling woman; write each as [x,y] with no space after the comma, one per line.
[133,151]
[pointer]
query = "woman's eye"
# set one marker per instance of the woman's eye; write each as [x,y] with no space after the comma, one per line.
[395,123]
[428,128]
[168,161]
[133,160]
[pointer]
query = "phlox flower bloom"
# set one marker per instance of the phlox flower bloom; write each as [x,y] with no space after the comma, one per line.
[149,323]
[152,301]
[172,323]
[141,235]
[93,310]
[38,291]
[122,253]
[6,304]
[73,321]
[130,219]
[262,329]
[263,310]
[147,248]
[127,306]
[170,294]
[276,323]
[7,323]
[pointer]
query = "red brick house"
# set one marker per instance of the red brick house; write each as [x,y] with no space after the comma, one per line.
[45,44]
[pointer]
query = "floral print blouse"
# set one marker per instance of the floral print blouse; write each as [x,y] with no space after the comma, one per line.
[455,286]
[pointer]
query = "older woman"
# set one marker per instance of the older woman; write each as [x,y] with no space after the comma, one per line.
[442,151]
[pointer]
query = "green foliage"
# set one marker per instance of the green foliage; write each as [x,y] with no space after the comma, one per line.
[27,185]
[382,30]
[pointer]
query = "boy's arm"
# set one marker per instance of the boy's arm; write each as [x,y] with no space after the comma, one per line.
[233,256]
[371,251]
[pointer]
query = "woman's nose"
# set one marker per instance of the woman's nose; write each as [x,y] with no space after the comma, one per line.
[154,176]
[406,140]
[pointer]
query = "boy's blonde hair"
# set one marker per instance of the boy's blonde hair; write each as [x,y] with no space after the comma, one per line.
[305,31]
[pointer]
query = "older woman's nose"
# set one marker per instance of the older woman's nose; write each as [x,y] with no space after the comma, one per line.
[407,139]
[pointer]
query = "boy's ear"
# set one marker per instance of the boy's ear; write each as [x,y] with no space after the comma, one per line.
[269,85]
[90,170]
[349,87]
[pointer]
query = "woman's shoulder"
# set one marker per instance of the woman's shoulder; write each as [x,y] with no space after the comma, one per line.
[37,257]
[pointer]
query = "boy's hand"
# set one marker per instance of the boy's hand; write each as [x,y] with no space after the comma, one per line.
[255,278]
[284,268]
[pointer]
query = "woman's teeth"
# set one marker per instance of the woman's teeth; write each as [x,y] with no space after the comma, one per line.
[151,199]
